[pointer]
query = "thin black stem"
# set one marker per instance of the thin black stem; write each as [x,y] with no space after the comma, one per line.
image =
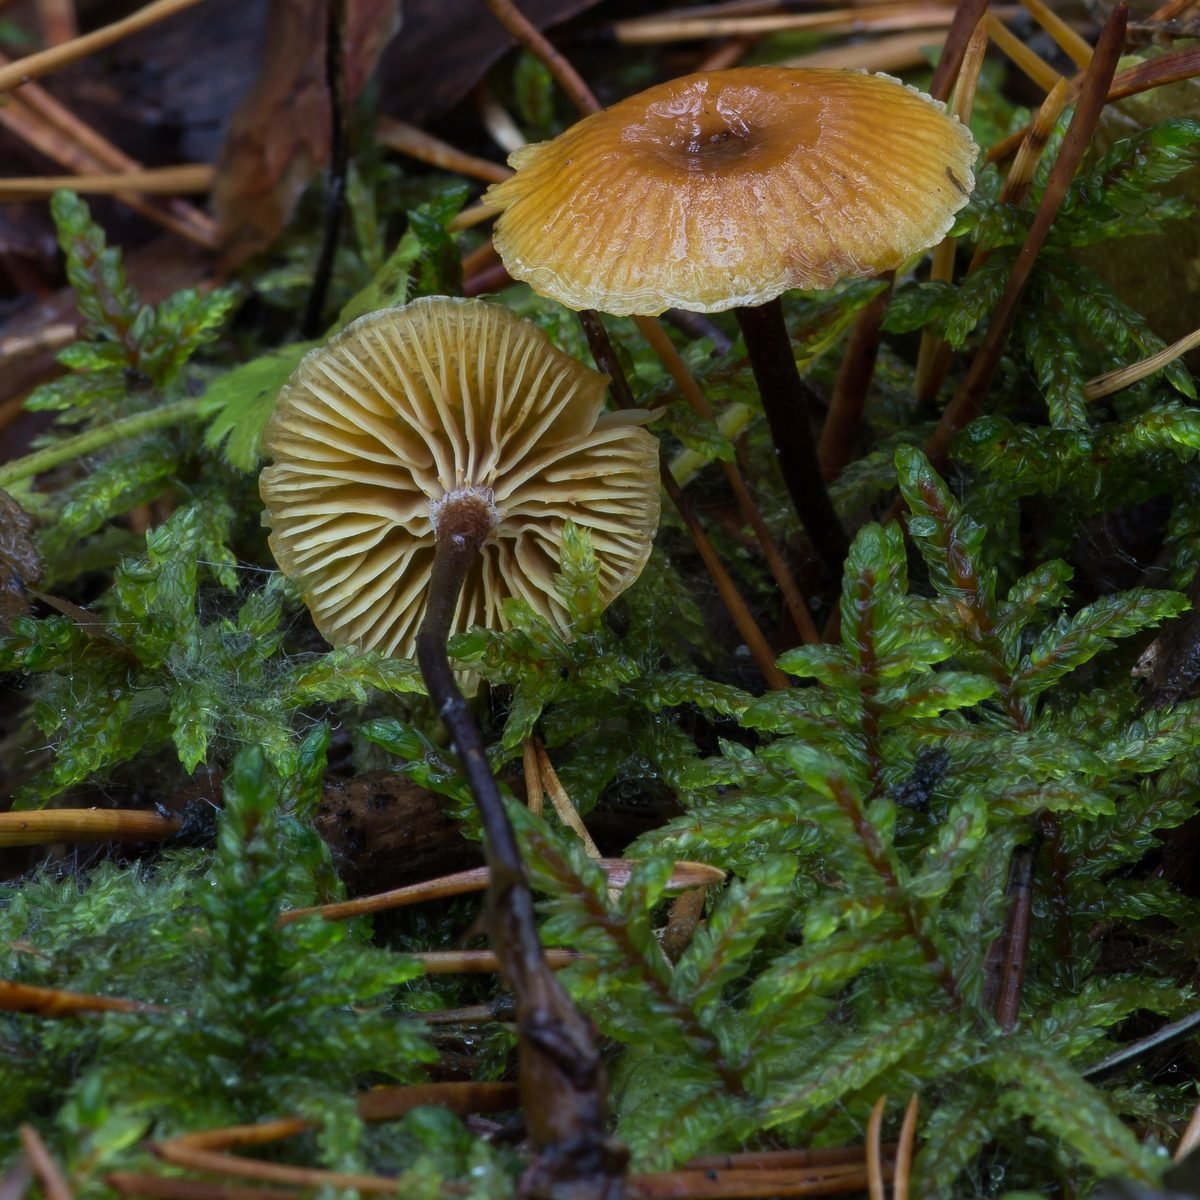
[456,551]
[339,164]
[785,402]
[562,1083]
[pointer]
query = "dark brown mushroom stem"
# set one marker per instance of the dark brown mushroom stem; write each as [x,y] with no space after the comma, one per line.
[562,1083]
[786,407]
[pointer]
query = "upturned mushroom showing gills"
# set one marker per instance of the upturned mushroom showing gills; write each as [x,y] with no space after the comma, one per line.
[445,405]
[723,190]
[426,462]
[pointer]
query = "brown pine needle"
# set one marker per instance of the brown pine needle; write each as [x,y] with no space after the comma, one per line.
[875,1149]
[564,806]
[969,397]
[1114,381]
[482,962]
[1068,41]
[480,259]
[188,177]
[45,1169]
[1173,67]
[727,55]
[230,1137]
[1016,186]
[781,1159]
[967,14]
[416,143]
[162,1187]
[535,793]
[1027,60]
[1170,10]
[50,127]
[386,1103]
[45,61]
[862,349]
[270,1172]
[942,267]
[660,342]
[904,1149]
[1029,154]
[53,1002]
[476,214]
[684,875]
[567,78]
[1191,1137]
[749,1184]
[498,121]
[84,825]
[17,346]
[58,20]
[892,53]
[647,31]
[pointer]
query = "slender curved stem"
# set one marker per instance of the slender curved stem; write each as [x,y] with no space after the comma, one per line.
[563,1091]
[98,438]
[785,404]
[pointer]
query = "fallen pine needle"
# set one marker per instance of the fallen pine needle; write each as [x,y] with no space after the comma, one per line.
[45,61]
[188,177]
[684,875]
[48,1173]
[1114,381]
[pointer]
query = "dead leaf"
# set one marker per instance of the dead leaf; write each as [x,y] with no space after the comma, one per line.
[445,48]
[280,135]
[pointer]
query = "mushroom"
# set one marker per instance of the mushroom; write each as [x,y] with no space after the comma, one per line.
[723,190]
[413,417]
[426,462]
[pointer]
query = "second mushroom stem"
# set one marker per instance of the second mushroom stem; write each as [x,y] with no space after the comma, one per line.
[561,1075]
[786,408]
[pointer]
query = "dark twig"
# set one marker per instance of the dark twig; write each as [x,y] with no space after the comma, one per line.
[967,15]
[528,36]
[561,1077]
[967,401]
[339,164]
[785,404]
[853,382]
[858,360]
[691,391]
[1166,1036]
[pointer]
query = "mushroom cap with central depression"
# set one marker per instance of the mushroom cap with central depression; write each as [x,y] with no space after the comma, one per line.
[726,188]
[410,408]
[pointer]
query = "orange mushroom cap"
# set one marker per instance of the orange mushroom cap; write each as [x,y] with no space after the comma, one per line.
[726,188]
[444,400]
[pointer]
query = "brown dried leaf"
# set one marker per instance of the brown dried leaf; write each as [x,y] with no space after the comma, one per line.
[446,46]
[280,135]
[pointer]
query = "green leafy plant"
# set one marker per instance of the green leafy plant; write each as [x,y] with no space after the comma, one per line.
[286,1019]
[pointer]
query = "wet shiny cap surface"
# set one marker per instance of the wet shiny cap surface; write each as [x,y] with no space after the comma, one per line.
[729,187]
